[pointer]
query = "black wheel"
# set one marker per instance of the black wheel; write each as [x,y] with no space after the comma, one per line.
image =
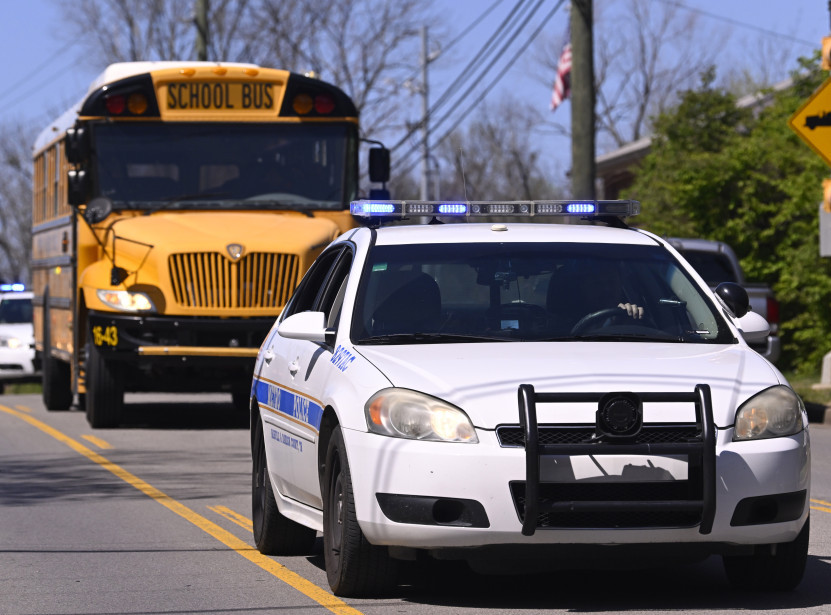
[56,375]
[274,534]
[105,389]
[354,567]
[773,567]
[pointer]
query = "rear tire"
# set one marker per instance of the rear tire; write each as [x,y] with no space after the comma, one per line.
[105,389]
[354,567]
[56,375]
[274,534]
[773,567]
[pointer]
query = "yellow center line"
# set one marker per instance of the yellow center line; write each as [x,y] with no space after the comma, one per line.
[232,515]
[98,442]
[304,586]
[24,409]
[820,502]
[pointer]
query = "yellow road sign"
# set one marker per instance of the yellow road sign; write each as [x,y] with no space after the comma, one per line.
[812,121]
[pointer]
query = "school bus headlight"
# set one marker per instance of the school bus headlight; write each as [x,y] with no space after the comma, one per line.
[126,301]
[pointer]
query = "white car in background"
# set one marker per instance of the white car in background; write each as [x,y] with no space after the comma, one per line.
[523,395]
[18,359]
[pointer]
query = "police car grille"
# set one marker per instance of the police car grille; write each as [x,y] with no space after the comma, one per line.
[618,492]
[211,280]
[512,435]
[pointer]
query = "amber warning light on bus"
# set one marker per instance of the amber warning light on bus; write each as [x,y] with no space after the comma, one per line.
[131,97]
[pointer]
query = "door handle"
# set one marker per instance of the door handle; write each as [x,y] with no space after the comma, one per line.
[294,366]
[268,355]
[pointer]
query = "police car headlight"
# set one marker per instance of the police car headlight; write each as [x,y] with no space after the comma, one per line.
[774,412]
[126,301]
[11,342]
[408,414]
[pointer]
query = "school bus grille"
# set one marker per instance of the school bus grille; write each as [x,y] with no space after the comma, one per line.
[211,280]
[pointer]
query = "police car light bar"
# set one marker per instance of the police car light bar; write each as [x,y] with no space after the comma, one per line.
[16,287]
[398,210]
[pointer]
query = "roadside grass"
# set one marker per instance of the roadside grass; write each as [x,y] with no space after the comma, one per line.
[22,388]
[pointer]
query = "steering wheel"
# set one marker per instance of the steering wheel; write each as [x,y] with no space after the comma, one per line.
[595,318]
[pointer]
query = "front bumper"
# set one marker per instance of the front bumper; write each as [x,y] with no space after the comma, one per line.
[171,352]
[483,473]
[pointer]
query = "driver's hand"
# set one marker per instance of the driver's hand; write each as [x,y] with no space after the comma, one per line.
[635,311]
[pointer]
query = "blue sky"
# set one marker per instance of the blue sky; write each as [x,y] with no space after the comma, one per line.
[44,71]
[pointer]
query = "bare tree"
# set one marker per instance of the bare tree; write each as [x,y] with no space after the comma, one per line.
[15,201]
[367,47]
[497,157]
[645,53]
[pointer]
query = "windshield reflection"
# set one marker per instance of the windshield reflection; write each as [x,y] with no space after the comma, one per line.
[295,166]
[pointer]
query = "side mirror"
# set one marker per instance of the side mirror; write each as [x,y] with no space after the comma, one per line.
[97,209]
[379,164]
[78,187]
[77,146]
[734,297]
[309,326]
[753,327]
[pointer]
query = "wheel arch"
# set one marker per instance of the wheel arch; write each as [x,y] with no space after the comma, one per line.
[327,425]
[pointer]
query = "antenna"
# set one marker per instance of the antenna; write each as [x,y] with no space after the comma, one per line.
[462,168]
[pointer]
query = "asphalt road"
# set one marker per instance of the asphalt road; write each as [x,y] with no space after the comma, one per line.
[154,518]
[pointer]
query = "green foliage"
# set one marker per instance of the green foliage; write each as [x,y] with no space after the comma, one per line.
[742,176]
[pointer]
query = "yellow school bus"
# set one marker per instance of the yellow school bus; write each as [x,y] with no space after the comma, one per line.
[175,208]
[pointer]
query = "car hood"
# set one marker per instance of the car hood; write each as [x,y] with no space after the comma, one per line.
[482,379]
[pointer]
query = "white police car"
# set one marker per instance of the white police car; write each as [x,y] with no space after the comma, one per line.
[505,394]
[18,361]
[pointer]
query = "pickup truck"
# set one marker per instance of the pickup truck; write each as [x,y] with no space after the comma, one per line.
[716,262]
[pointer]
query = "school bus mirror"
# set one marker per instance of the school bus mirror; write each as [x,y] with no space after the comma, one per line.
[78,187]
[379,164]
[77,145]
[97,209]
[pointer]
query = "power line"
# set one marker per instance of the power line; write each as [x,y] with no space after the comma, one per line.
[32,73]
[517,29]
[465,73]
[499,76]
[487,70]
[736,22]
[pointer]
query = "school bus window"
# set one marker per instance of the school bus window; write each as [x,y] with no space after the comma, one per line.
[56,172]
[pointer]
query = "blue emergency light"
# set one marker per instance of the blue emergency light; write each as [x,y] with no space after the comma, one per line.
[15,288]
[398,210]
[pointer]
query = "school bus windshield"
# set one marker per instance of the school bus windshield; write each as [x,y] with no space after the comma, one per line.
[214,165]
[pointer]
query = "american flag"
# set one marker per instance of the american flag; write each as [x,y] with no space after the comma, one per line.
[562,83]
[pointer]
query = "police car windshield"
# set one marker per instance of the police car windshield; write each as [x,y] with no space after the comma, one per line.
[216,166]
[15,310]
[451,293]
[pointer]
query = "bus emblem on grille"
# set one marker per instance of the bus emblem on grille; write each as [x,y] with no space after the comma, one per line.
[235,251]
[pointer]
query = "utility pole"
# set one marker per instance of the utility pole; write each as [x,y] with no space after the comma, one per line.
[425,123]
[201,21]
[582,101]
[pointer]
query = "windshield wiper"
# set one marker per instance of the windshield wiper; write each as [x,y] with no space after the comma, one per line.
[429,338]
[623,337]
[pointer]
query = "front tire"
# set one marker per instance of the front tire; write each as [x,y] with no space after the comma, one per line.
[354,567]
[105,389]
[773,567]
[274,534]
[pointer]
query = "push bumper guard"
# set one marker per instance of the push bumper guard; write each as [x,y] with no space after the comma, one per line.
[700,452]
